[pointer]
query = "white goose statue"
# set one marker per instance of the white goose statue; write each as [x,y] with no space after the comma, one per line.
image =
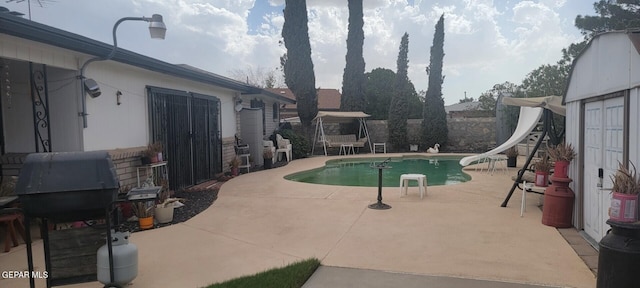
[435,149]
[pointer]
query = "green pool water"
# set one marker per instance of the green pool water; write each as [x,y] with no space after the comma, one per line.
[440,170]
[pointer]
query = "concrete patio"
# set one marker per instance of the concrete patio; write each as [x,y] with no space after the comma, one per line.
[261,221]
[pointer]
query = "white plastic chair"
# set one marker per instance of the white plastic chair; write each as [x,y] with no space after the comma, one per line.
[284,147]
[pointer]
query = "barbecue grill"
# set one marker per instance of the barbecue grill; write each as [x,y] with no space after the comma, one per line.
[65,187]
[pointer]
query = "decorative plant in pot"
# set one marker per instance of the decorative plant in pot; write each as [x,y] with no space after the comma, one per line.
[512,156]
[557,210]
[625,194]
[152,154]
[144,212]
[542,168]
[562,154]
[267,154]
[234,164]
[163,211]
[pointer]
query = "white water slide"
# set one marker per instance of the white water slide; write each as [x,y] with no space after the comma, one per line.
[529,117]
[530,112]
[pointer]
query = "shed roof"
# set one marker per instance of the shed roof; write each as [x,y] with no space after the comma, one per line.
[616,54]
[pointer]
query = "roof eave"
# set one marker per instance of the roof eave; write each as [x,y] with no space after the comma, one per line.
[26,29]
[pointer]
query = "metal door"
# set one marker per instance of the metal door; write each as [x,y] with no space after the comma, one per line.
[188,126]
[206,138]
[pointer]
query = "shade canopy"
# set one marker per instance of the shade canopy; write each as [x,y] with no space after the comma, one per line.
[552,103]
[340,116]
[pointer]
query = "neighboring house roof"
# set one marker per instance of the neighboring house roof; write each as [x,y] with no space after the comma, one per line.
[27,29]
[466,106]
[328,99]
[263,91]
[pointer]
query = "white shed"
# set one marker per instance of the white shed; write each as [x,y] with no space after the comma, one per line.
[602,100]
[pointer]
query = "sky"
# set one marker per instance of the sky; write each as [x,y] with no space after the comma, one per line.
[486,42]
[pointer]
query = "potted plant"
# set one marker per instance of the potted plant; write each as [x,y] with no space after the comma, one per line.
[625,194]
[163,211]
[152,154]
[144,212]
[542,168]
[155,150]
[562,154]
[234,164]
[267,154]
[512,156]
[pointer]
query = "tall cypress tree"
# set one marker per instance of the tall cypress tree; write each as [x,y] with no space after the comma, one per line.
[298,67]
[353,79]
[398,110]
[434,121]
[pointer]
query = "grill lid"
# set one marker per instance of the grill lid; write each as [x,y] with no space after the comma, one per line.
[66,171]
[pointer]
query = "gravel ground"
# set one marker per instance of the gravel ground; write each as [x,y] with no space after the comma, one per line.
[194,203]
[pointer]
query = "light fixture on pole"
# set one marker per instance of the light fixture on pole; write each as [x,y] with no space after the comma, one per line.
[157,30]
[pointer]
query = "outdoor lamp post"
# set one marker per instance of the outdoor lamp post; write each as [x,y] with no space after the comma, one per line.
[157,30]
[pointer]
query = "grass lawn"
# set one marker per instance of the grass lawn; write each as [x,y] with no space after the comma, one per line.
[291,276]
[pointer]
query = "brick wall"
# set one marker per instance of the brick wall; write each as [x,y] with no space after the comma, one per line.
[228,152]
[126,161]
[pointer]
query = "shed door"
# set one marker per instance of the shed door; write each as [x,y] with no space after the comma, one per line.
[603,148]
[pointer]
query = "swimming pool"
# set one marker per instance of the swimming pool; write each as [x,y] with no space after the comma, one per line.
[440,170]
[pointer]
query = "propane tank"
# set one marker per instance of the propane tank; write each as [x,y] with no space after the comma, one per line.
[125,260]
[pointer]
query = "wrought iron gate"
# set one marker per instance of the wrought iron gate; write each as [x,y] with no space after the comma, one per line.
[188,126]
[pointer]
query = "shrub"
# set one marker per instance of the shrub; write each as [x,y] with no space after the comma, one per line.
[300,147]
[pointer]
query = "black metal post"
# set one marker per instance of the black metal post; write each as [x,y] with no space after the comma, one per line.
[379,205]
[27,232]
[45,243]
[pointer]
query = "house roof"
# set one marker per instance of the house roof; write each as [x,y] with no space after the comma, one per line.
[27,29]
[328,99]
[462,106]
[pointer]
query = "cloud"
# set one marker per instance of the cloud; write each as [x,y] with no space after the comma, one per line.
[486,41]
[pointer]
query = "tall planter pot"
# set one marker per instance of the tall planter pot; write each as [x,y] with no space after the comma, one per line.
[619,256]
[268,163]
[557,210]
[512,161]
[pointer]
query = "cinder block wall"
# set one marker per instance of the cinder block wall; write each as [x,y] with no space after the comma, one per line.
[469,135]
